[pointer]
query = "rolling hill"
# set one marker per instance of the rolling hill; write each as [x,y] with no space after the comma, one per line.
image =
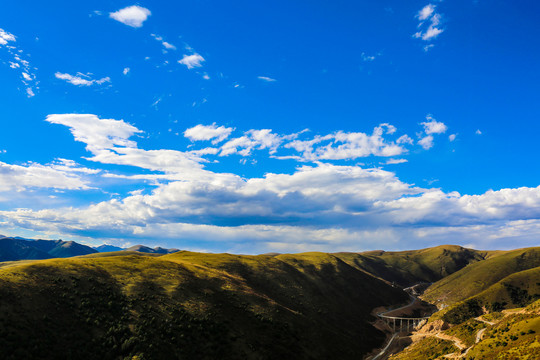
[190,305]
[144,303]
[407,268]
[479,276]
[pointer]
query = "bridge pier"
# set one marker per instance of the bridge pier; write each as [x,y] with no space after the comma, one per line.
[410,323]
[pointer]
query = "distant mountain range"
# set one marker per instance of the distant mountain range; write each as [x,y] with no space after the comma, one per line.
[12,249]
[17,248]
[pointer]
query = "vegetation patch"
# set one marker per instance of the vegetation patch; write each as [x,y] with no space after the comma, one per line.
[429,348]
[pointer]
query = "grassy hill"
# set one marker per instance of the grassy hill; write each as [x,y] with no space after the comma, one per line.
[512,334]
[189,306]
[479,276]
[407,268]
[504,280]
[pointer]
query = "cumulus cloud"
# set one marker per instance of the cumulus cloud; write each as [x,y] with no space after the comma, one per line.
[349,145]
[82,79]
[432,126]
[429,21]
[208,132]
[323,207]
[371,208]
[452,137]
[126,71]
[133,16]
[426,142]
[192,61]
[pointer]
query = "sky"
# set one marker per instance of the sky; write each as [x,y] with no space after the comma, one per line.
[271,126]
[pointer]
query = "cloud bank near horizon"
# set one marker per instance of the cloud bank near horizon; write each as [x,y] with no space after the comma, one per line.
[320,205]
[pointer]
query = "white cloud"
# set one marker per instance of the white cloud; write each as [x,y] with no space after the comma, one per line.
[431,33]
[266,78]
[426,142]
[58,175]
[165,44]
[366,57]
[349,145]
[81,79]
[6,37]
[396,161]
[452,137]
[133,16]
[426,12]
[208,132]
[17,61]
[97,134]
[432,126]
[304,210]
[478,132]
[404,139]
[192,61]
[428,25]
[126,71]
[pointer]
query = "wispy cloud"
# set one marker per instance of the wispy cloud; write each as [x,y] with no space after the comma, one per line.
[82,79]
[429,25]
[133,16]
[27,72]
[266,78]
[395,161]
[367,58]
[192,61]
[165,44]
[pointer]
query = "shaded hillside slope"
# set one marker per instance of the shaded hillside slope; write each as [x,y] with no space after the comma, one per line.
[188,305]
[479,276]
[15,249]
[12,249]
[407,268]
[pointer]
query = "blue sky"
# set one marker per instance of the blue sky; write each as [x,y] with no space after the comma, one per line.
[284,126]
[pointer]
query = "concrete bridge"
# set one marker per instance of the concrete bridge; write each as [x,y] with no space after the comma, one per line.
[405,323]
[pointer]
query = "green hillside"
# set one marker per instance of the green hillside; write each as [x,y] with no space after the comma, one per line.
[189,306]
[407,268]
[512,334]
[479,276]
